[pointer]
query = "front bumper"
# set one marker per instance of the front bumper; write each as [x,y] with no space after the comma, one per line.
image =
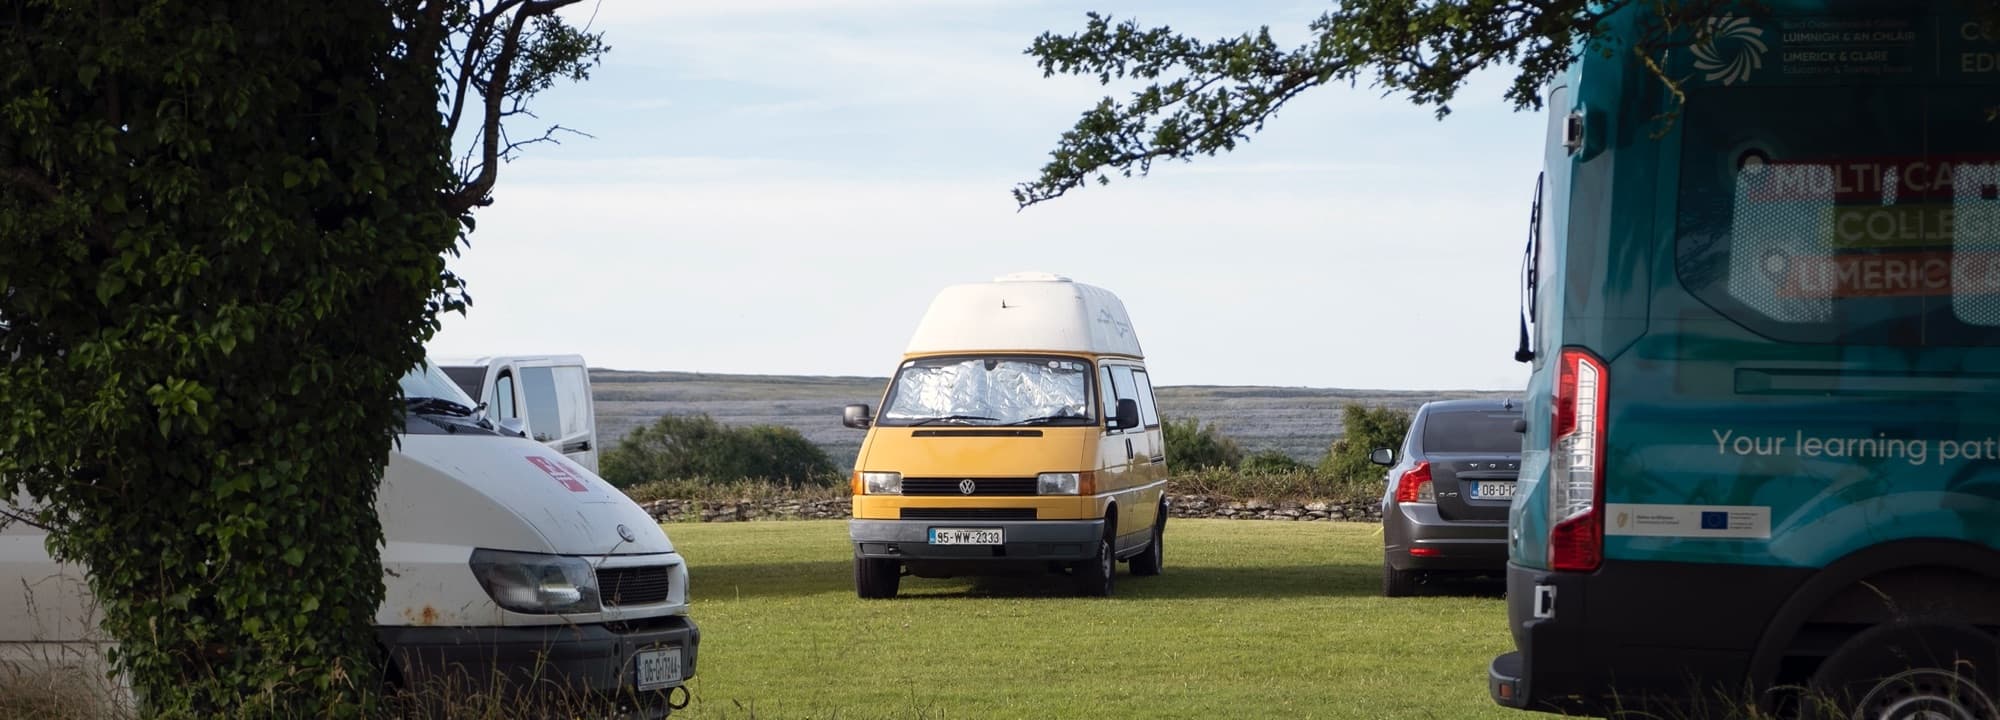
[1052,540]
[1415,537]
[1654,638]
[561,668]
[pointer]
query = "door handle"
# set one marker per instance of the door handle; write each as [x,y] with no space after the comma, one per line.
[1128,448]
[578,446]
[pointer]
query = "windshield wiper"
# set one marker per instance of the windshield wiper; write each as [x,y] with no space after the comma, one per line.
[951,418]
[438,406]
[1046,419]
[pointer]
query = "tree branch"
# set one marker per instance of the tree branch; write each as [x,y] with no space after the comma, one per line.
[476,192]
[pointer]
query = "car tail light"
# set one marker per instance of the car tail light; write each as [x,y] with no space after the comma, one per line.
[1415,485]
[1576,464]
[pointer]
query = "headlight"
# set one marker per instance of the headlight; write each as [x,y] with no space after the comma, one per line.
[535,583]
[882,483]
[1056,483]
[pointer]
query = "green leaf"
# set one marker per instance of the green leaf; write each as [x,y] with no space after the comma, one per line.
[108,287]
[295,556]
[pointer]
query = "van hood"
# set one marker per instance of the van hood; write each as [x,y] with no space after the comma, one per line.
[948,451]
[507,493]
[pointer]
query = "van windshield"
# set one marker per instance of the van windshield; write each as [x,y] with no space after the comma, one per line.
[990,390]
[428,381]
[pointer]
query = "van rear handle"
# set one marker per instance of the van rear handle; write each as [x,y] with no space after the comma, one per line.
[577,446]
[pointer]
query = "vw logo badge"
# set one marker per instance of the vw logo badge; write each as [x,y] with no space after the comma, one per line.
[966,486]
[625,534]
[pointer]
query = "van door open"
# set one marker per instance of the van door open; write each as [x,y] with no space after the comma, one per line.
[558,411]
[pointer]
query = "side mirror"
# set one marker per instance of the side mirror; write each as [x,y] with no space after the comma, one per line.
[513,426]
[1520,425]
[1128,414]
[1382,456]
[856,416]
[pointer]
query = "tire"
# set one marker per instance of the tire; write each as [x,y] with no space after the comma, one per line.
[1904,671]
[876,578]
[1150,562]
[1097,576]
[1399,583]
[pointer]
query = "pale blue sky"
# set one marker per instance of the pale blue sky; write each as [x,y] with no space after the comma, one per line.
[779,186]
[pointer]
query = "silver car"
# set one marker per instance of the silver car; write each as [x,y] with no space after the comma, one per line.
[1444,509]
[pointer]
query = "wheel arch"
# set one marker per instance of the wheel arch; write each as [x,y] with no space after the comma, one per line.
[1886,582]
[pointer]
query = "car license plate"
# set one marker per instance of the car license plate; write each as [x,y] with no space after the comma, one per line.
[965,536]
[1493,490]
[658,668]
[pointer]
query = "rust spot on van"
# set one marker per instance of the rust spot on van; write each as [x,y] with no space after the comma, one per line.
[426,616]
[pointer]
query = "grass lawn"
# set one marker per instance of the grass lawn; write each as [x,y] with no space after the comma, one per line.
[1250,619]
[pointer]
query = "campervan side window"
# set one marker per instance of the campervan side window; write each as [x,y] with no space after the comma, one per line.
[1148,413]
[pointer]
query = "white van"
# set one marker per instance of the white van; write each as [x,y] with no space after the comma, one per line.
[549,395]
[503,558]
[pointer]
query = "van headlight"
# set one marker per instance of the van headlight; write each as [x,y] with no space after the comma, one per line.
[536,583]
[882,483]
[1056,483]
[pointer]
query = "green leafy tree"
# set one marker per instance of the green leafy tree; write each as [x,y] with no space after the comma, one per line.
[1192,445]
[1362,430]
[223,230]
[1206,97]
[677,447]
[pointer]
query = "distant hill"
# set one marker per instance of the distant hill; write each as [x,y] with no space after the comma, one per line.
[1297,420]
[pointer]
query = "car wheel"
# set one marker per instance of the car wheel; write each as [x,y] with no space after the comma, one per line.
[1907,671]
[1153,560]
[1094,577]
[1399,583]
[876,577]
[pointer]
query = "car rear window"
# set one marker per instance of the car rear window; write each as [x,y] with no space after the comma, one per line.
[1471,432]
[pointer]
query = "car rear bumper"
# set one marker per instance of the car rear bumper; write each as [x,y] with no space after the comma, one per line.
[1635,637]
[561,668]
[1415,537]
[1061,540]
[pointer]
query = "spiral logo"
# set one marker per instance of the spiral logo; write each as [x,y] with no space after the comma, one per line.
[1746,50]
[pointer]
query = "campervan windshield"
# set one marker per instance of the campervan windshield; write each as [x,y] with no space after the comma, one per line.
[990,390]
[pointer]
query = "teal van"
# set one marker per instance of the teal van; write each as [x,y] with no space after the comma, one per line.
[1762,441]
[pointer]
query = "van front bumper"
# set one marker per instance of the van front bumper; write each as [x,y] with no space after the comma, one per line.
[566,669]
[1020,539]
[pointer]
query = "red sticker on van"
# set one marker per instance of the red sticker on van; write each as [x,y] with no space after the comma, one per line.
[560,473]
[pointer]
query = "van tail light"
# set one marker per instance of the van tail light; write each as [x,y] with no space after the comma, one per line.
[1415,485]
[1576,464]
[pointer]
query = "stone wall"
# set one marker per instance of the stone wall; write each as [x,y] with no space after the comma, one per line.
[1180,506]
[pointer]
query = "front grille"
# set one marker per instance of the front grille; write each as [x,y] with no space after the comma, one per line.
[980,486]
[968,513]
[643,585]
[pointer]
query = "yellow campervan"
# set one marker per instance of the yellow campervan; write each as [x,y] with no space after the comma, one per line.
[1018,433]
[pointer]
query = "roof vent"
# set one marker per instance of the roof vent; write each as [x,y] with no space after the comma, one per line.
[1032,277]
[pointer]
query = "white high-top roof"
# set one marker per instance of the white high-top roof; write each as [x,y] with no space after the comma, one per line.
[1029,311]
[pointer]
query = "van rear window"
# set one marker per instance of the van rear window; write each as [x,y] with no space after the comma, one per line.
[1471,432]
[1863,215]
